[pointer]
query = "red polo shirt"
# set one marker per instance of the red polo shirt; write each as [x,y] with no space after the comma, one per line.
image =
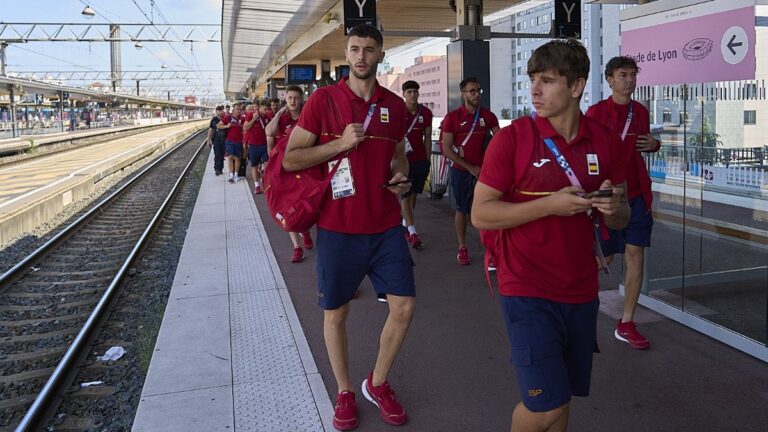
[459,123]
[372,209]
[551,257]
[416,136]
[614,117]
[257,134]
[234,133]
[285,124]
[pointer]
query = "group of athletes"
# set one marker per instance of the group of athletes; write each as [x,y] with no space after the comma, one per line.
[560,191]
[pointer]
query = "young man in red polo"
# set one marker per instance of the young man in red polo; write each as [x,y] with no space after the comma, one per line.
[280,128]
[233,143]
[359,232]
[464,132]
[532,188]
[418,147]
[256,140]
[629,121]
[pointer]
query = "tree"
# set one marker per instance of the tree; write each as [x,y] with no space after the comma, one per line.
[706,140]
[506,114]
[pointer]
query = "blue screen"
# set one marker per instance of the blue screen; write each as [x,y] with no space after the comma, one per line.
[301,73]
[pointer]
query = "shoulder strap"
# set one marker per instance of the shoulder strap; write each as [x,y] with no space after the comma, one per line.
[342,112]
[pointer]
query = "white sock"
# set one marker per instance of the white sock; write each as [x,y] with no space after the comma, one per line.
[404,223]
[411,230]
[231,174]
[257,184]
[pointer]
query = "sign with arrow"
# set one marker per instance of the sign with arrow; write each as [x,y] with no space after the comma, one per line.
[705,42]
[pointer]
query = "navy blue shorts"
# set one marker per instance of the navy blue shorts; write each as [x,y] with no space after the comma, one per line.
[257,154]
[552,346]
[418,171]
[234,148]
[637,232]
[343,260]
[462,190]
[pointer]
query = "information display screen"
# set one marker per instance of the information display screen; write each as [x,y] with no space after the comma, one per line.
[301,74]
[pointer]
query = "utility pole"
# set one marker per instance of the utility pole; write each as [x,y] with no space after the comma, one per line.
[3,46]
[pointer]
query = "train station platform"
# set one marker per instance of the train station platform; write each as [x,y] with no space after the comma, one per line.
[241,346]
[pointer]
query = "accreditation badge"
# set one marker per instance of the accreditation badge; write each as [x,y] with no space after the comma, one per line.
[342,183]
[593,166]
[408,146]
[482,122]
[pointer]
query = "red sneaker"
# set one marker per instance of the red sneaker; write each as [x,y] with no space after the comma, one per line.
[383,397]
[298,255]
[345,411]
[307,239]
[627,332]
[416,241]
[257,190]
[463,257]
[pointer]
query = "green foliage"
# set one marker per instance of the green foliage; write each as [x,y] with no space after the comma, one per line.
[506,113]
[707,137]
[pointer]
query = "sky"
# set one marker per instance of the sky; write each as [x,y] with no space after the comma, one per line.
[204,59]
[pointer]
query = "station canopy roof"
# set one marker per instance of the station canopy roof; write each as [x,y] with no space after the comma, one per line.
[259,37]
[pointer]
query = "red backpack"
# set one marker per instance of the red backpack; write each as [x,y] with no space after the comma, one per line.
[295,198]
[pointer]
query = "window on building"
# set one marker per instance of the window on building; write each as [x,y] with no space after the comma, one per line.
[586,24]
[666,116]
[750,117]
[519,56]
[683,117]
[518,27]
[545,19]
[519,70]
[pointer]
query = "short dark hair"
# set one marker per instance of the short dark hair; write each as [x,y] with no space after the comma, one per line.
[568,57]
[274,100]
[219,108]
[366,31]
[620,62]
[468,80]
[265,102]
[410,84]
[294,88]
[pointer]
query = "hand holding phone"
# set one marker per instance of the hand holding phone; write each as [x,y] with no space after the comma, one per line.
[600,193]
[386,185]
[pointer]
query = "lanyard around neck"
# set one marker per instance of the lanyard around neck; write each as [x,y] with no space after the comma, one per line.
[629,119]
[413,123]
[472,129]
[371,110]
[562,162]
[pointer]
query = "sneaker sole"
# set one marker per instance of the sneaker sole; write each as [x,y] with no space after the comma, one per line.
[342,427]
[635,346]
[373,401]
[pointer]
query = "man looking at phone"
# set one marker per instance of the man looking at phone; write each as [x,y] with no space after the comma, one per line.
[359,232]
[531,188]
[629,121]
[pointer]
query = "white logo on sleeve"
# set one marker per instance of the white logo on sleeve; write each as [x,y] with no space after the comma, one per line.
[541,163]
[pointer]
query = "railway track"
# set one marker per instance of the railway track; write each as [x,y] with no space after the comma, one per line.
[52,302]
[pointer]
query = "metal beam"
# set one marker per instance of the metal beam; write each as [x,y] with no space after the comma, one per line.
[100,32]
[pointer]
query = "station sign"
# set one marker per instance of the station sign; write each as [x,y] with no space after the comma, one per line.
[705,42]
[567,21]
[359,12]
[38,99]
[65,95]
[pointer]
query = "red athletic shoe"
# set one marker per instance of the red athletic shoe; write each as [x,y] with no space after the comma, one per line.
[463,257]
[627,332]
[345,411]
[298,255]
[383,397]
[307,239]
[415,241]
[257,190]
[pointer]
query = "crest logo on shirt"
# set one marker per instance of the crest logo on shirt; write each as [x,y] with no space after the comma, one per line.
[541,163]
[593,166]
[482,122]
[384,115]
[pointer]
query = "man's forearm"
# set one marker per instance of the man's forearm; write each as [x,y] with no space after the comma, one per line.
[307,157]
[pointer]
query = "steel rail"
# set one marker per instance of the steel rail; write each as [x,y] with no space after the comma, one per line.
[12,273]
[39,407]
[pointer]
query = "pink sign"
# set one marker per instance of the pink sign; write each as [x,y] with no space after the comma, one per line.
[715,47]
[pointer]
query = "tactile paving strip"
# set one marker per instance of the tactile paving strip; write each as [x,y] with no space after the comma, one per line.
[249,267]
[276,405]
[262,343]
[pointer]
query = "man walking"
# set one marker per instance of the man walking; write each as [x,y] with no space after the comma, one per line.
[215,139]
[233,124]
[418,147]
[256,141]
[532,188]
[359,232]
[629,121]
[279,129]
[464,132]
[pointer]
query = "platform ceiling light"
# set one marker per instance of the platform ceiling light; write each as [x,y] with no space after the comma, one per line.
[138,45]
[88,12]
[164,66]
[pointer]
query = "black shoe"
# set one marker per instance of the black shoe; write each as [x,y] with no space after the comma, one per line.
[381,298]
[218,173]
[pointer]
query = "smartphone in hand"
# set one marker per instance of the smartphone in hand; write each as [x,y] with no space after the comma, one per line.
[601,193]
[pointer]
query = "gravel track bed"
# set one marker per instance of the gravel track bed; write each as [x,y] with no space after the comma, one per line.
[88,271]
[135,320]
